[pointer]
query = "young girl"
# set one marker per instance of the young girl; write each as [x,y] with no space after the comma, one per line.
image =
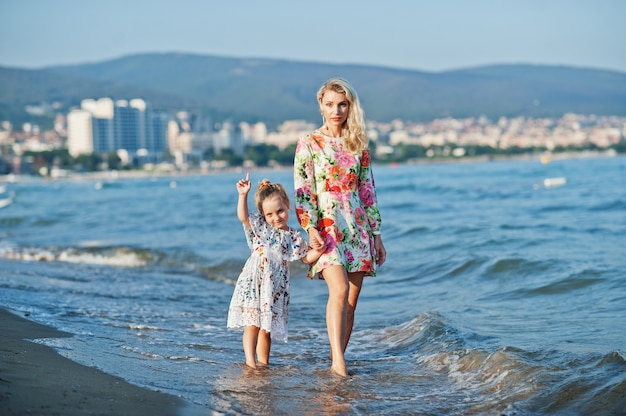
[260,302]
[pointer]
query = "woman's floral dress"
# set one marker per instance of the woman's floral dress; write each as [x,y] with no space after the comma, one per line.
[261,296]
[335,192]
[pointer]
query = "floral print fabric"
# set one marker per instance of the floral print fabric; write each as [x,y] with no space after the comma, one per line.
[335,192]
[261,295]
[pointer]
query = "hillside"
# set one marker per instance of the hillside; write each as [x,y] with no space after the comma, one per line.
[275,90]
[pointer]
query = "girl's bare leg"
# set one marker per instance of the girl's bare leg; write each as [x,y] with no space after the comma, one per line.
[356,282]
[263,347]
[250,339]
[336,311]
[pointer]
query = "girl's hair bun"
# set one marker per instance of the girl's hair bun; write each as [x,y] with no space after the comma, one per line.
[266,189]
[265,183]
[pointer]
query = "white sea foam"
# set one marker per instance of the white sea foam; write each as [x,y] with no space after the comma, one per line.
[118,258]
[115,257]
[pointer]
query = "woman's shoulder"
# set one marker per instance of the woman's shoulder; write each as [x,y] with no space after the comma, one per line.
[312,142]
[314,135]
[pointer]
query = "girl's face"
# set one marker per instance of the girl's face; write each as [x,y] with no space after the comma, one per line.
[275,211]
[334,107]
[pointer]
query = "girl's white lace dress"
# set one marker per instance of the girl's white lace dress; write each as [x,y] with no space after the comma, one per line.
[261,296]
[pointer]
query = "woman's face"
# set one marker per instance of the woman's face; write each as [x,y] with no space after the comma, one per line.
[335,108]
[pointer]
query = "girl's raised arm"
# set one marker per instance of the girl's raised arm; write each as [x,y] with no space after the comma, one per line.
[243,188]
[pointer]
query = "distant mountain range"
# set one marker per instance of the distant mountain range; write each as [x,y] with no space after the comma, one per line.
[274,90]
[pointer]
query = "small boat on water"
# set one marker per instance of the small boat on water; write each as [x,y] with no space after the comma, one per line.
[552,182]
[5,202]
[5,199]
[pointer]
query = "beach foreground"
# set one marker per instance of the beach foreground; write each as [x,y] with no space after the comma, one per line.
[35,380]
[481,309]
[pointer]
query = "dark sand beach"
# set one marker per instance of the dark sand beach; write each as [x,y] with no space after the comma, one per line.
[35,380]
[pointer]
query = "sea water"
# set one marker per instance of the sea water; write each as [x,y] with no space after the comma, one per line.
[504,290]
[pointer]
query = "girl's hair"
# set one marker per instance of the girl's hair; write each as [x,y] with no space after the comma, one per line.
[354,126]
[267,189]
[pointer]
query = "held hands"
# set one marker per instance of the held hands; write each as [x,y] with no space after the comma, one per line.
[315,239]
[317,246]
[243,185]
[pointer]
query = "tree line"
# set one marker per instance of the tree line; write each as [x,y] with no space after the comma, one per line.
[264,155]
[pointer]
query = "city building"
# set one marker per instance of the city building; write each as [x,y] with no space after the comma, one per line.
[104,126]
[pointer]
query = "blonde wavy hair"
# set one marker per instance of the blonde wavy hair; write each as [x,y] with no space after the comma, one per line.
[353,130]
[267,189]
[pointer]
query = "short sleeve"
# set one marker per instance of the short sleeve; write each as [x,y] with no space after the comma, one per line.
[297,246]
[288,244]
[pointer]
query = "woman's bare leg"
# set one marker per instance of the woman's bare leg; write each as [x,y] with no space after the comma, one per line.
[356,282]
[263,347]
[336,311]
[250,339]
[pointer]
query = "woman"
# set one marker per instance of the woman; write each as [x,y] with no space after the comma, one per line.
[336,204]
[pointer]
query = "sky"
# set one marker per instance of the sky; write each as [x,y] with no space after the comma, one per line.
[434,35]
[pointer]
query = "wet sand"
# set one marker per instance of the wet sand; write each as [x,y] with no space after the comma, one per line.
[36,380]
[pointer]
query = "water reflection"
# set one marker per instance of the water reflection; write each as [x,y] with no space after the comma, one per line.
[281,390]
[245,391]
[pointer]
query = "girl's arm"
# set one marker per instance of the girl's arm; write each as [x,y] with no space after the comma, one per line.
[313,254]
[243,188]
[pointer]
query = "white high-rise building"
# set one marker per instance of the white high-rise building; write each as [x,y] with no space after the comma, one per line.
[101,108]
[104,125]
[103,111]
[79,132]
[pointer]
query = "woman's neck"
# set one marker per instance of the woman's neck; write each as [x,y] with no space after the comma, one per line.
[334,132]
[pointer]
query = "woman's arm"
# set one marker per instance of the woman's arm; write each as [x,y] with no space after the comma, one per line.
[367,193]
[381,253]
[304,185]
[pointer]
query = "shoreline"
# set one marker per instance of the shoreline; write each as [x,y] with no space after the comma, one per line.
[139,174]
[36,380]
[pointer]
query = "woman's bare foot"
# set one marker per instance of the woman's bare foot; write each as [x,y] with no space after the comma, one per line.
[339,370]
